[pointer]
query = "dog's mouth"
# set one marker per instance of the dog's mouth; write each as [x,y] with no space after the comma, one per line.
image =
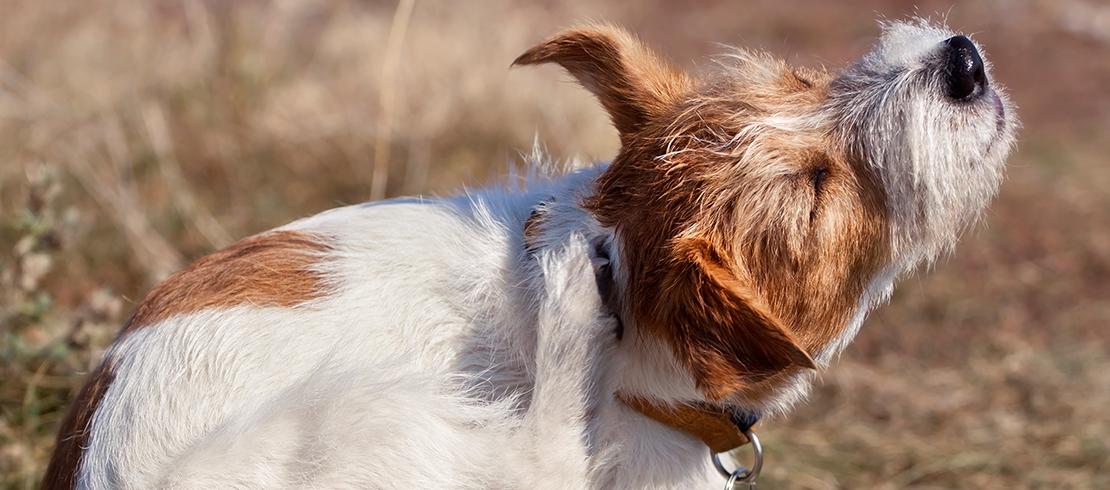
[999,120]
[999,111]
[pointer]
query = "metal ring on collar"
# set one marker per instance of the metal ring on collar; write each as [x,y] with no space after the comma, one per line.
[742,474]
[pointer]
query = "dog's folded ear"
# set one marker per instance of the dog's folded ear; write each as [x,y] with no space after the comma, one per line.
[631,82]
[724,335]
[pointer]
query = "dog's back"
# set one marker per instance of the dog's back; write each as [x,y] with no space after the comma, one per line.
[308,345]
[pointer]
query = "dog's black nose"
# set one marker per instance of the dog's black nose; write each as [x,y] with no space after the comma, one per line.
[967,78]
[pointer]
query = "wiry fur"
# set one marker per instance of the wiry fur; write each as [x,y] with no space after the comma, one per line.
[750,221]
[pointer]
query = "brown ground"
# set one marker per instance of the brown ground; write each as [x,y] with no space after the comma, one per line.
[135,135]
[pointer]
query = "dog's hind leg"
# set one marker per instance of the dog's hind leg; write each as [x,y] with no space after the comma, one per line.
[574,334]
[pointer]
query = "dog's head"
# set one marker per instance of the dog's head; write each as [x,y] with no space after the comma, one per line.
[761,210]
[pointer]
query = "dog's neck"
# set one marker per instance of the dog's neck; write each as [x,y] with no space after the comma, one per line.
[645,376]
[648,368]
[720,428]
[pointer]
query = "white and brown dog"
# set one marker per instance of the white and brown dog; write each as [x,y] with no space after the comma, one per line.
[549,337]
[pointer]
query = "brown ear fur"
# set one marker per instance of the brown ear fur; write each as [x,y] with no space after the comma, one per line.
[631,82]
[719,327]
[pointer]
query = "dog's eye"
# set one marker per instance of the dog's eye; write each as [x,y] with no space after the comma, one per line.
[804,80]
[818,176]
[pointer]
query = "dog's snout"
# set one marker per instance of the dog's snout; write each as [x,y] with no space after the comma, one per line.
[967,78]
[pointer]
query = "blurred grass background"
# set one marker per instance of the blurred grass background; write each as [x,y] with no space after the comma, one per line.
[136,135]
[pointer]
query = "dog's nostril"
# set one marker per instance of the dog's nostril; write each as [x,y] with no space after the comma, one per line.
[967,78]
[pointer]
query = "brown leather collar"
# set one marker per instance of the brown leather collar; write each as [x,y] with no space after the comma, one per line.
[716,427]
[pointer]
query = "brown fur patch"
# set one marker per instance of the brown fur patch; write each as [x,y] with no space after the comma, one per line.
[271,269]
[73,436]
[745,245]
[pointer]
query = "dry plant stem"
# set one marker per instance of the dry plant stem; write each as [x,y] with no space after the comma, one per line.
[157,257]
[387,99]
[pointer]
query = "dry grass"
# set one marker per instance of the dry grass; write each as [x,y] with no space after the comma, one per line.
[137,134]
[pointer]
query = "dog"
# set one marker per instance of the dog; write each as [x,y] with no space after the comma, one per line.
[584,331]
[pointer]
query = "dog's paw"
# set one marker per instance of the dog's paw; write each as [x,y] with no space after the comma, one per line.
[568,272]
[571,298]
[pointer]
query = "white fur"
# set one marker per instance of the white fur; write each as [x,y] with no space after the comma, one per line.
[459,362]
[449,357]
